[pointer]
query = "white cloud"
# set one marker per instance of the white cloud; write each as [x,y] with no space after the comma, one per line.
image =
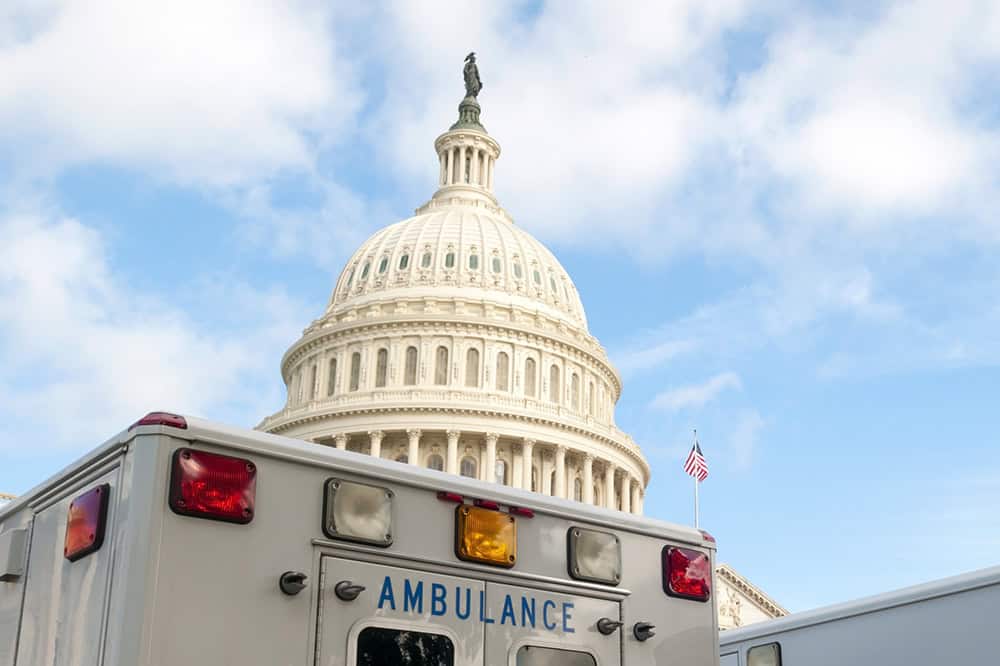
[696,395]
[83,353]
[212,93]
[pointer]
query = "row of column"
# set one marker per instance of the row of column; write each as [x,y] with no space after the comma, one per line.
[631,490]
[480,168]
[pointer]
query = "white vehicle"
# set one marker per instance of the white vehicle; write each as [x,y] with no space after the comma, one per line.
[182,542]
[952,621]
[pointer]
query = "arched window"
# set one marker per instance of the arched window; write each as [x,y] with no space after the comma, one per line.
[503,372]
[552,483]
[472,368]
[517,270]
[331,381]
[410,371]
[597,496]
[578,489]
[441,366]
[425,261]
[364,270]
[350,278]
[496,264]
[312,382]
[591,400]
[449,260]
[500,472]
[383,265]
[552,283]
[381,367]
[575,389]
[534,479]
[468,467]
[538,278]
[530,377]
[474,262]
[434,461]
[404,262]
[355,370]
[555,389]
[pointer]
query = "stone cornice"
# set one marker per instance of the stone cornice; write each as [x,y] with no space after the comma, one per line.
[751,591]
[288,419]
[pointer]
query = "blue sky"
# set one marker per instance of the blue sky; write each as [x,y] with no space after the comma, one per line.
[780,217]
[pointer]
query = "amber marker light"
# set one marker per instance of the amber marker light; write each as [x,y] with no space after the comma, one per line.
[486,536]
[85,523]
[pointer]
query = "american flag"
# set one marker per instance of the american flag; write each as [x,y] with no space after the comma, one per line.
[695,464]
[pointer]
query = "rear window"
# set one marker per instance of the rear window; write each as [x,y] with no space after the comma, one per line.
[381,646]
[533,655]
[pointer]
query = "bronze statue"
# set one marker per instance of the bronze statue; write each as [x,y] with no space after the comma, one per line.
[471,73]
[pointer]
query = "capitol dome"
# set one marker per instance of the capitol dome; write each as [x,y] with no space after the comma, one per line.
[455,340]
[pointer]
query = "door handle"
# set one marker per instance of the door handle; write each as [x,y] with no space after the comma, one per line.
[607,626]
[347,591]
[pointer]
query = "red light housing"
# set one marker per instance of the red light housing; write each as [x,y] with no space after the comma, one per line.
[161,418]
[85,523]
[707,537]
[687,573]
[487,504]
[521,511]
[213,486]
[446,496]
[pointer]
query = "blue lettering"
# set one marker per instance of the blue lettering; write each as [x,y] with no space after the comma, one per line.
[545,615]
[508,611]
[482,609]
[439,603]
[387,594]
[458,603]
[413,597]
[567,617]
[528,612]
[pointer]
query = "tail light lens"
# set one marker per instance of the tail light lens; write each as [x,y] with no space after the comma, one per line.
[687,573]
[85,523]
[209,485]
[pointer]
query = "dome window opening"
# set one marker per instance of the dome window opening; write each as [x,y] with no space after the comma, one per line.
[350,278]
[426,260]
[577,489]
[441,366]
[313,371]
[554,385]
[575,391]
[538,278]
[517,270]
[473,262]
[552,283]
[503,372]
[381,367]
[496,264]
[500,472]
[590,400]
[383,265]
[468,467]
[534,478]
[365,269]
[530,377]
[410,370]
[331,386]
[472,368]
[404,262]
[355,371]
[435,462]
[449,260]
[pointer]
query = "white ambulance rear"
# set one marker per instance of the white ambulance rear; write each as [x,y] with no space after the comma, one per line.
[182,542]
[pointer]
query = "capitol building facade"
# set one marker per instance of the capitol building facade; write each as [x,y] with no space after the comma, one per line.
[456,341]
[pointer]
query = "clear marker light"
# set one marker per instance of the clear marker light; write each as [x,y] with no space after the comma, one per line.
[358,512]
[594,556]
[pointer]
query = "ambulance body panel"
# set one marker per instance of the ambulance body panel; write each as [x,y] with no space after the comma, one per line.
[169,589]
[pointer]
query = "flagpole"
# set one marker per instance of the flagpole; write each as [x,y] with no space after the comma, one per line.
[696,526]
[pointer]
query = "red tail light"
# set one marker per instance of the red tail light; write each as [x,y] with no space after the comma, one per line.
[85,523]
[161,418]
[209,485]
[687,573]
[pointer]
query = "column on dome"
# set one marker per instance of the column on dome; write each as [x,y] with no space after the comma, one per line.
[627,493]
[527,462]
[340,441]
[461,164]
[474,169]
[450,171]
[588,478]
[375,439]
[642,502]
[609,485]
[452,464]
[546,479]
[560,489]
[413,453]
[443,172]
[635,497]
[491,456]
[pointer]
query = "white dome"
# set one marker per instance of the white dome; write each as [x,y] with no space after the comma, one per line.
[459,252]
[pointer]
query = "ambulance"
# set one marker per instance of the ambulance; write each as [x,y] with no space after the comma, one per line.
[948,622]
[181,542]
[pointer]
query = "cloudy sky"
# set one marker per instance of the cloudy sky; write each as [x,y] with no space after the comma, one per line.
[779,216]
